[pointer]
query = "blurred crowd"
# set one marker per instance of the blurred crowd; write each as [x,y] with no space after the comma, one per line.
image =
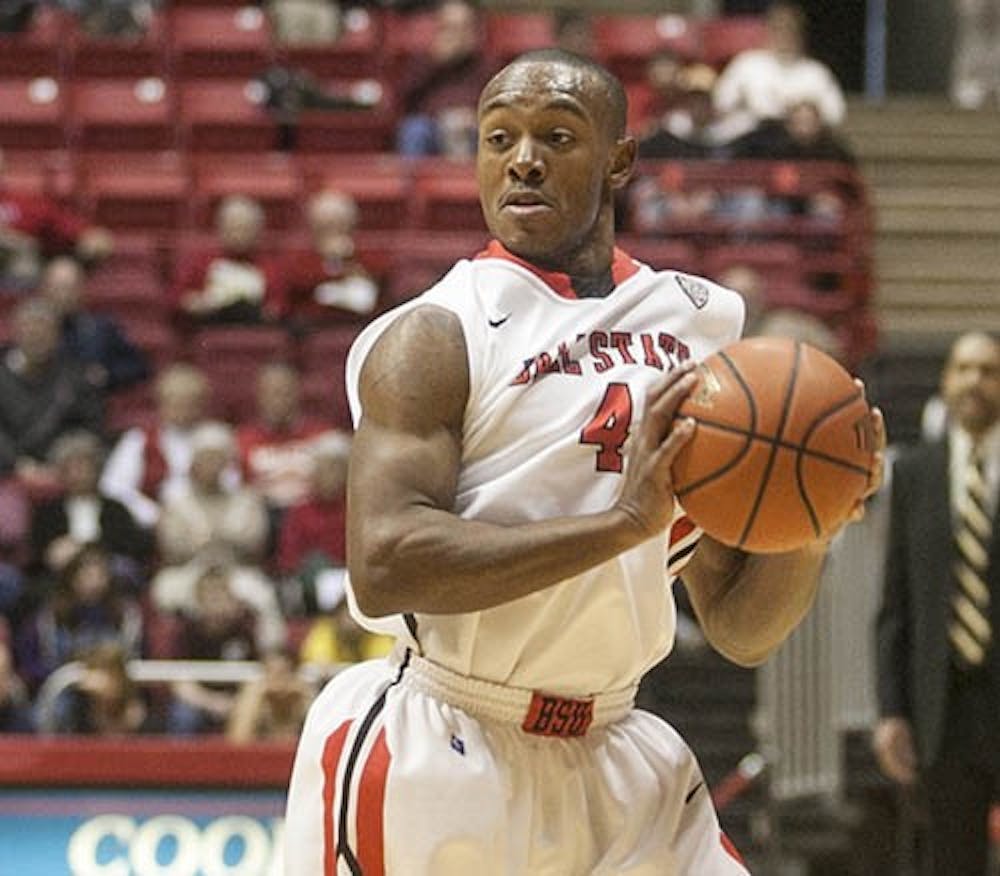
[187,536]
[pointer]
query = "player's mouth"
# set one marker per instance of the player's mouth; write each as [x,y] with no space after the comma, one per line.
[525,203]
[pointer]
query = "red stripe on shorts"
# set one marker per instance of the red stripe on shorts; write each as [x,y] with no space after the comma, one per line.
[681,528]
[371,808]
[331,758]
[727,844]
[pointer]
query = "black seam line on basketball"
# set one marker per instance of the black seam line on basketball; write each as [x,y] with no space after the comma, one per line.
[784,445]
[343,849]
[752,404]
[786,407]
[800,456]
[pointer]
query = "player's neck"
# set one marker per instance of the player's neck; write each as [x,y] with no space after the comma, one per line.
[593,285]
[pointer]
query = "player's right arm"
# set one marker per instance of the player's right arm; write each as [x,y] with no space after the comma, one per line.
[408,551]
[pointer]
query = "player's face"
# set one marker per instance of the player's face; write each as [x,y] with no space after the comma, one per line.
[971,383]
[547,161]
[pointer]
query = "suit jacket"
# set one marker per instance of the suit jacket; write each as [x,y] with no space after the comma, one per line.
[913,651]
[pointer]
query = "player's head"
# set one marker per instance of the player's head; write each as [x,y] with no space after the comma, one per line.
[970,383]
[552,150]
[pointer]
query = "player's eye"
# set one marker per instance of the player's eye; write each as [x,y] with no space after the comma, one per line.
[497,139]
[560,137]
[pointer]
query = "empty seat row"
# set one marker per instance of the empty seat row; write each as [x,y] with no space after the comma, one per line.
[147,113]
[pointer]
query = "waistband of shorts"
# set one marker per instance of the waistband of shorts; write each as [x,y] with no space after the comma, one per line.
[497,702]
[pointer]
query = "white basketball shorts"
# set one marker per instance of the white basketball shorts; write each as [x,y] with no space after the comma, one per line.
[407,769]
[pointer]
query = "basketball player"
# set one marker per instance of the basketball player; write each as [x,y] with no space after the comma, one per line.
[511,515]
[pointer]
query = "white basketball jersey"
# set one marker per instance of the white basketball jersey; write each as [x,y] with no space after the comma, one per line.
[557,384]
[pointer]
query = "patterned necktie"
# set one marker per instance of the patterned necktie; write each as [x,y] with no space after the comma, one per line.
[969,631]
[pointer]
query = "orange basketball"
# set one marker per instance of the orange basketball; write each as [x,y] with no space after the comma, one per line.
[783,446]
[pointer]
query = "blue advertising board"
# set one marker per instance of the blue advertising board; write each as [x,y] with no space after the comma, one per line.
[145,832]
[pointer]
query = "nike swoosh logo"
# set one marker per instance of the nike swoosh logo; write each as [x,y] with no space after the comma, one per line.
[496,323]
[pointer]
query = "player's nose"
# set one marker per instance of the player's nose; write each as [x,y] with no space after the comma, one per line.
[526,164]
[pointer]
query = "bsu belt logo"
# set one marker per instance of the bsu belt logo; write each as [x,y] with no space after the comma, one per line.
[558,716]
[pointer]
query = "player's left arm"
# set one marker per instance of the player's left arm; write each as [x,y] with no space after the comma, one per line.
[748,604]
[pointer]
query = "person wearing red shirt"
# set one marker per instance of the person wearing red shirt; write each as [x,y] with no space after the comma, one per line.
[327,282]
[312,537]
[233,281]
[33,228]
[276,447]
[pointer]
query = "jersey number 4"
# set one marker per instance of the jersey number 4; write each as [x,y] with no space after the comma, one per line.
[609,427]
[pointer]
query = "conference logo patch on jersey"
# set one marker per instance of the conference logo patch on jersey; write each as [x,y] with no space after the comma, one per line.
[696,291]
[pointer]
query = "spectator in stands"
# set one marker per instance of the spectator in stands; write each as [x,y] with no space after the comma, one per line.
[975,73]
[328,283]
[42,396]
[758,83]
[800,134]
[273,707]
[691,130]
[105,701]
[88,606]
[33,228]
[119,19]
[233,281]
[111,361]
[213,523]
[657,95]
[573,31]
[16,16]
[787,323]
[750,283]
[151,463]
[216,625]
[335,637]
[15,707]
[312,538]
[440,90]
[83,515]
[275,448]
[305,22]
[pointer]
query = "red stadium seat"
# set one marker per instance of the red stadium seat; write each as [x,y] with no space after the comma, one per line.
[32,113]
[357,52]
[371,129]
[157,340]
[625,43]
[219,41]
[137,191]
[34,171]
[225,116]
[121,114]
[510,34]
[131,407]
[270,178]
[663,255]
[776,261]
[723,38]
[113,56]
[322,356]
[37,51]
[406,34]
[230,357]
[446,197]
[380,184]
[422,258]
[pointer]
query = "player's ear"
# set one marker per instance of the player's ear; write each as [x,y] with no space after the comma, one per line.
[623,155]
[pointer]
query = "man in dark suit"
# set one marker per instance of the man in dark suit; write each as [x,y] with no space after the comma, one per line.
[938,661]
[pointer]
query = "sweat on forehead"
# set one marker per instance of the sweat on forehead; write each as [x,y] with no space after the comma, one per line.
[557,71]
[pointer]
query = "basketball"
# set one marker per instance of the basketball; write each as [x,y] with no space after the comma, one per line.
[783,446]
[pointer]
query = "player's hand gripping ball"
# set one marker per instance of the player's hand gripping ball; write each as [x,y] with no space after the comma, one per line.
[783,450]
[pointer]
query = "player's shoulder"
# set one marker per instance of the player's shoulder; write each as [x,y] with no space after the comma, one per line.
[702,296]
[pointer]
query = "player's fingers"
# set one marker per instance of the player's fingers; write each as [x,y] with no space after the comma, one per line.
[878,428]
[682,432]
[663,406]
